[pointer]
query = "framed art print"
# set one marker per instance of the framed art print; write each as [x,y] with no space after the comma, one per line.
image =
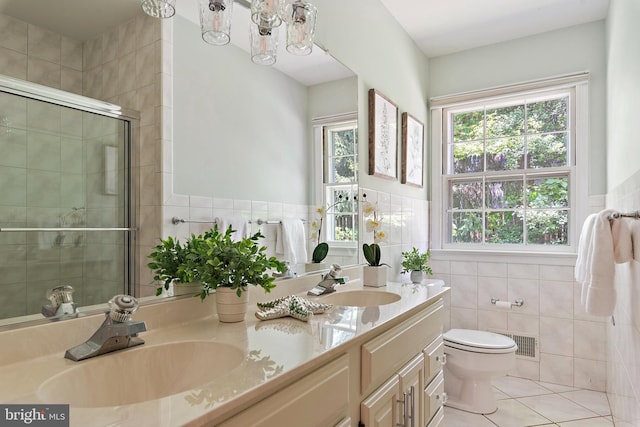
[383,136]
[412,150]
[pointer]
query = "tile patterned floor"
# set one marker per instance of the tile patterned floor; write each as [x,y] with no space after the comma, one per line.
[523,403]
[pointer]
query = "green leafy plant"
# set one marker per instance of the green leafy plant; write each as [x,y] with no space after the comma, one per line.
[372,252]
[223,262]
[416,261]
[320,252]
[168,259]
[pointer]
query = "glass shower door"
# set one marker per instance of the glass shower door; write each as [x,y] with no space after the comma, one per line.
[64,204]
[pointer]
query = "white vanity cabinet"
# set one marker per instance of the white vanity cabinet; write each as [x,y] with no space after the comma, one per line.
[319,399]
[399,366]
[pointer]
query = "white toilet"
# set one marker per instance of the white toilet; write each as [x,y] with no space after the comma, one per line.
[474,358]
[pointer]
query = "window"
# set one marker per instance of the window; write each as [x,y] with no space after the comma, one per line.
[340,160]
[508,173]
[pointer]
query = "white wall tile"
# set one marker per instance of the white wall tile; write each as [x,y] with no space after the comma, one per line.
[556,336]
[523,271]
[492,269]
[13,34]
[556,369]
[464,291]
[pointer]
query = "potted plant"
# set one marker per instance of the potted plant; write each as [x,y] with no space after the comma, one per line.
[416,264]
[375,273]
[229,267]
[172,265]
[321,250]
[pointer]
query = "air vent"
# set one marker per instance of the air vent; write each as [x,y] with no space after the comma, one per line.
[527,344]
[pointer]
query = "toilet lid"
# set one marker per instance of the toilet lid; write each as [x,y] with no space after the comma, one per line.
[479,341]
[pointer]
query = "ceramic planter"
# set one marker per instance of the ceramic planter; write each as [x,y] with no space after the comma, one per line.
[375,277]
[180,288]
[417,276]
[231,307]
[315,266]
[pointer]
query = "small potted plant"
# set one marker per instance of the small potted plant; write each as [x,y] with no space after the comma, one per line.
[229,267]
[375,273]
[321,250]
[172,265]
[416,264]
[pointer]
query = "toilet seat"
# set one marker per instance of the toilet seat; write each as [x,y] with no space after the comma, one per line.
[479,341]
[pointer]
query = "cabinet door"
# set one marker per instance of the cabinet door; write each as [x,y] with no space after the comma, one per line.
[381,408]
[320,399]
[412,388]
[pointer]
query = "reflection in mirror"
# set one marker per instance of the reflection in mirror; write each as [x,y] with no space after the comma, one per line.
[65,211]
[271,143]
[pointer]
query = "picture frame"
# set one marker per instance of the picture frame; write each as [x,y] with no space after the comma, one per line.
[383,136]
[412,151]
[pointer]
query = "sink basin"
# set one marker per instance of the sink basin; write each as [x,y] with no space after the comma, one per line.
[140,374]
[363,298]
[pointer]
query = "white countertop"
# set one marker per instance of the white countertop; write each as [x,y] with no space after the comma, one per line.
[273,353]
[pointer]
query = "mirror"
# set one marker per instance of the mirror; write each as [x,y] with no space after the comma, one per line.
[88,32]
[254,134]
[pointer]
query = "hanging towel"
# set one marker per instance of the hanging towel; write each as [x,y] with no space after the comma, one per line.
[635,239]
[622,245]
[291,242]
[598,292]
[237,223]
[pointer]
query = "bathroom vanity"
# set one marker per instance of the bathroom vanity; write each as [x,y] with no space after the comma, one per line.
[350,365]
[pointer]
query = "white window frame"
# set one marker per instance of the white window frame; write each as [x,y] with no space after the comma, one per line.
[320,197]
[578,175]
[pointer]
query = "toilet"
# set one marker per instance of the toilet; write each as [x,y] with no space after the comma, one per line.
[473,360]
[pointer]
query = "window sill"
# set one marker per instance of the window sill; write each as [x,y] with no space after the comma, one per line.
[549,258]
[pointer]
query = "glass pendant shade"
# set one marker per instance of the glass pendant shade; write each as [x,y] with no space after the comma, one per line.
[300,18]
[215,21]
[266,12]
[159,8]
[264,44]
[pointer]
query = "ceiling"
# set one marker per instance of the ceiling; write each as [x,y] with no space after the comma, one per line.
[440,27]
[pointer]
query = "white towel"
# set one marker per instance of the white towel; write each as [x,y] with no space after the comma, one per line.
[291,242]
[622,245]
[597,270]
[237,223]
[635,239]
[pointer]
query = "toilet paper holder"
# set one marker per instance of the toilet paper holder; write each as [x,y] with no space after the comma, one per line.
[518,303]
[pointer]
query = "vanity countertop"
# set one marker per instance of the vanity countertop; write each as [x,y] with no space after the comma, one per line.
[273,354]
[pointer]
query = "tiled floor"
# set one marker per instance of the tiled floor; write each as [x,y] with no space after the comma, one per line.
[523,402]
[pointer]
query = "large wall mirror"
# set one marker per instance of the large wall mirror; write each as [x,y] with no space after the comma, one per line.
[262,142]
[277,141]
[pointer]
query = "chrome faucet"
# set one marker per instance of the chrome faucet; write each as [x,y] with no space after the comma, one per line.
[117,332]
[329,281]
[62,304]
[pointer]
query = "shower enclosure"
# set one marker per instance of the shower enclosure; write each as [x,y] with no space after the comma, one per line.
[66,211]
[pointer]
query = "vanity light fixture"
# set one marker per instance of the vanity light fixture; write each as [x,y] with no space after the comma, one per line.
[299,17]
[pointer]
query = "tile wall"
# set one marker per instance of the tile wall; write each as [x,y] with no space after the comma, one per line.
[571,347]
[623,338]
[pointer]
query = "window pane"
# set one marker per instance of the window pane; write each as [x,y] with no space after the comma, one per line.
[467,157]
[343,170]
[547,116]
[466,227]
[505,154]
[547,227]
[545,151]
[343,142]
[504,194]
[466,195]
[504,227]
[344,228]
[468,126]
[548,192]
[506,121]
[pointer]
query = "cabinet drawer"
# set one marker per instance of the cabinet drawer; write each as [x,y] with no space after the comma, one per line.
[317,400]
[387,353]
[438,419]
[434,396]
[433,359]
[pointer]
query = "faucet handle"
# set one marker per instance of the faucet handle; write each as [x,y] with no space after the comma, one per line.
[122,308]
